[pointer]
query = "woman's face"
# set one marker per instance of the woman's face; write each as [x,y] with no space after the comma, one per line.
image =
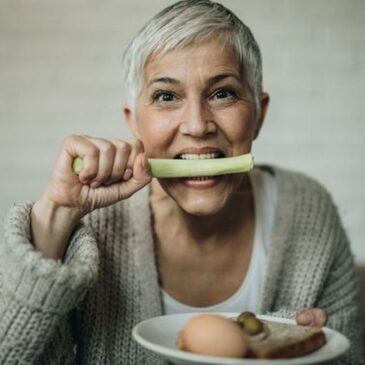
[195,103]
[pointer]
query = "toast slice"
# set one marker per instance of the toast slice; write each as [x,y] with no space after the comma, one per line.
[285,341]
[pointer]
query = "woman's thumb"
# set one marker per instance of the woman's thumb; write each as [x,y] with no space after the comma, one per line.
[141,170]
[141,176]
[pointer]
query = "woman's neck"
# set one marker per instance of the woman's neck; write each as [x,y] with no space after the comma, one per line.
[195,252]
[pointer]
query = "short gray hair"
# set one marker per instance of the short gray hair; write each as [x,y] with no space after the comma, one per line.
[180,25]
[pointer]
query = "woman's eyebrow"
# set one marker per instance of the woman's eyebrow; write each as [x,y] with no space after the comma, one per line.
[213,80]
[223,76]
[166,80]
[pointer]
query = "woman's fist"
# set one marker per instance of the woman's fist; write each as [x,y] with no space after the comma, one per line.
[112,170]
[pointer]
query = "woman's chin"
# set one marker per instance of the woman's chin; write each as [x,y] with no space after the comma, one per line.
[201,196]
[202,204]
[202,183]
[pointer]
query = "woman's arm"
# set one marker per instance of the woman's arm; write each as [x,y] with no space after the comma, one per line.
[37,293]
[320,261]
[340,299]
[47,261]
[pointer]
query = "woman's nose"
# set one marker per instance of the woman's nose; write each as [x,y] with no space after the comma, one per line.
[197,121]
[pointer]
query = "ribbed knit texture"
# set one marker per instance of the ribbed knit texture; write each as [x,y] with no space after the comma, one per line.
[82,310]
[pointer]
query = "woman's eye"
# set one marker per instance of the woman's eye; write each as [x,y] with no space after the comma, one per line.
[163,96]
[224,94]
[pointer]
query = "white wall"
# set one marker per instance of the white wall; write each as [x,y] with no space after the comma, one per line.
[60,74]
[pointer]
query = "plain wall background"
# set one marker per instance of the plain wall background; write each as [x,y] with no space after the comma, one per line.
[60,73]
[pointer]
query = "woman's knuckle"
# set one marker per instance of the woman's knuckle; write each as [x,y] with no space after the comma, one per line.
[93,151]
[67,140]
[125,147]
[105,146]
[139,144]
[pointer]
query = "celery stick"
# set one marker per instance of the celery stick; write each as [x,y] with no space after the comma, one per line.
[165,168]
[172,168]
[78,165]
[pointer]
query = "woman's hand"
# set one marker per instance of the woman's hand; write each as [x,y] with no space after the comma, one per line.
[113,170]
[316,317]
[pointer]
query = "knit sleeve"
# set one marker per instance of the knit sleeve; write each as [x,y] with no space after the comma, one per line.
[37,293]
[340,297]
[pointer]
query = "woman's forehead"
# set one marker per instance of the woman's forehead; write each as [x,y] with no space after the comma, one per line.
[203,59]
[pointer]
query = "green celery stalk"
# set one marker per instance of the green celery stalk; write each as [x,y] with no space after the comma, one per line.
[169,168]
[77,165]
[173,168]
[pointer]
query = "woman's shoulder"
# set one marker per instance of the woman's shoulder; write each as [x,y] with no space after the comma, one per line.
[296,183]
[305,199]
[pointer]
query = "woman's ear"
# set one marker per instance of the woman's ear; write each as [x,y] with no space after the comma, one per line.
[131,121]
[264,105]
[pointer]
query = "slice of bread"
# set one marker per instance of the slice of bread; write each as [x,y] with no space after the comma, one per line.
[286,341]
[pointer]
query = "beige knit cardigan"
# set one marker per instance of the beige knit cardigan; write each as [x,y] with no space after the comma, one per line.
[82,310]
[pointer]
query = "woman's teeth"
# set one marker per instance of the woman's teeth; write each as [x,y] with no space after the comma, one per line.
[201,156]
[200,178]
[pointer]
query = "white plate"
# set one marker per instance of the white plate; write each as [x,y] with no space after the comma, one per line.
[159,334]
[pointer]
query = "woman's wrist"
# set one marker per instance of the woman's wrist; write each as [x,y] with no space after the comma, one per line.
[52,226]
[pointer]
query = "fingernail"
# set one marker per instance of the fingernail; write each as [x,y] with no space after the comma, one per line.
[127,174]
[306,318]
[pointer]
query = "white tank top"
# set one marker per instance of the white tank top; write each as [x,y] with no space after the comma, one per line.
[247,297]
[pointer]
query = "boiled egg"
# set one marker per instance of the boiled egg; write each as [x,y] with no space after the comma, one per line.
[213,335]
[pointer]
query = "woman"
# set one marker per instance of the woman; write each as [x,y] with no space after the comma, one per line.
[269,242]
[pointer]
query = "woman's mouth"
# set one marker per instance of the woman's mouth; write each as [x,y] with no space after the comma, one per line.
[201,182]
[200,156]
